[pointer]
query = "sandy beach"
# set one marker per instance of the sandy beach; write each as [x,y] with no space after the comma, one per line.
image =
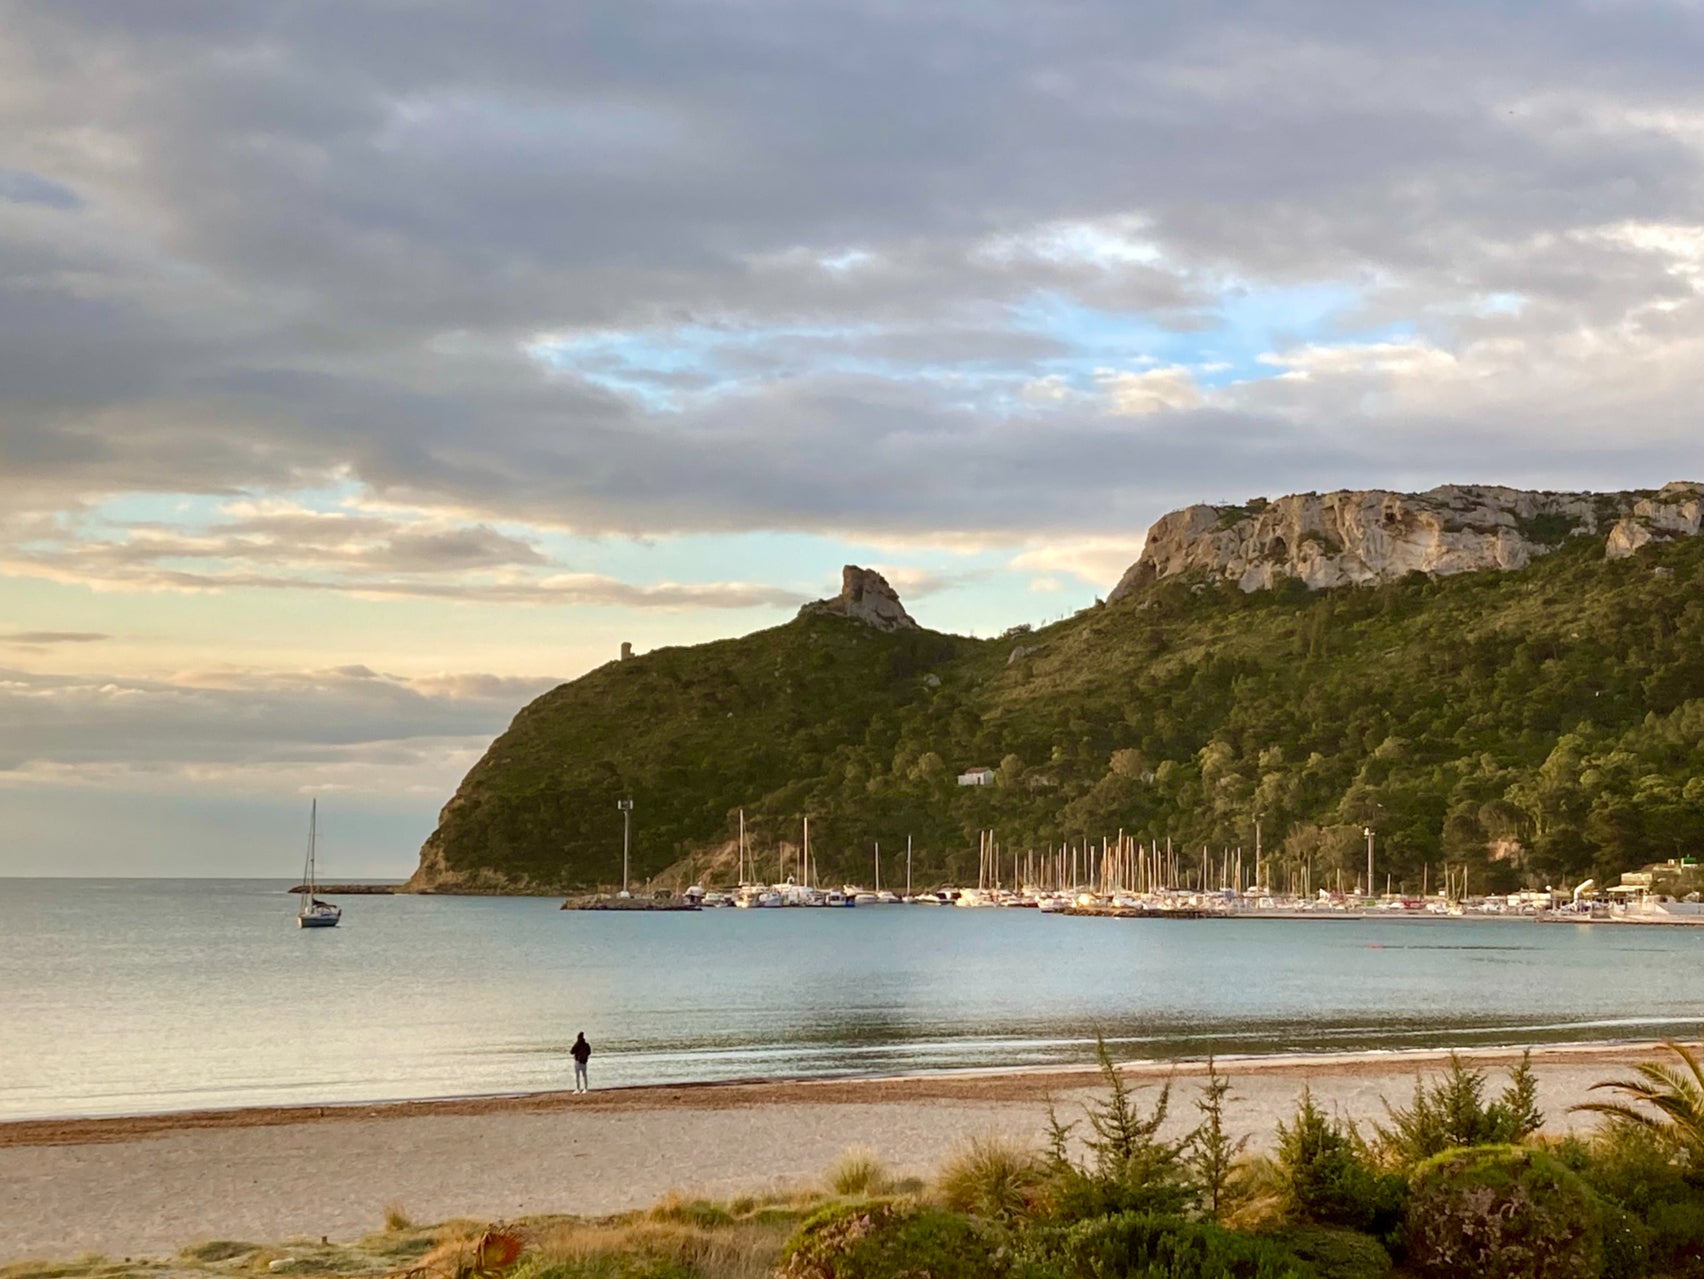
[149,1185]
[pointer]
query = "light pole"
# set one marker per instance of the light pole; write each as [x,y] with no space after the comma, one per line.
[1368,832]
[626,807]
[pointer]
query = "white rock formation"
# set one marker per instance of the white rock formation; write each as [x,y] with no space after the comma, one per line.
[1346,538]
[1676,511]
[865,596]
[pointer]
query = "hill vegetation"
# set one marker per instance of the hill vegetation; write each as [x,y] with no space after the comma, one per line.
[1535,727]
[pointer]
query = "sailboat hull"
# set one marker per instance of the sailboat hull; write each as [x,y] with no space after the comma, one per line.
[315,921]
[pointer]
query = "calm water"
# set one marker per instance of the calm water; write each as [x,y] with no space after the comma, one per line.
[122,996]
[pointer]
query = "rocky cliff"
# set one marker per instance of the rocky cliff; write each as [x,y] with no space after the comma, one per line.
[1351,538]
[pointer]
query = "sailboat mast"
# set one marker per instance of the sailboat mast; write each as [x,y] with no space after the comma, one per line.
[908,865]
[878,865]
[313,829]
[741,872]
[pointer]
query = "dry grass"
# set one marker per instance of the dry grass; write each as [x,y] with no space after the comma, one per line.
[859,1172]
[744,1250]
[396,1220]
[993,1177]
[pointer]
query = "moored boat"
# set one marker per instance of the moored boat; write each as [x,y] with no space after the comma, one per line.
[314,913]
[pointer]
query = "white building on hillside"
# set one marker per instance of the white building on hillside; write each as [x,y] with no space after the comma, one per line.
[977,777]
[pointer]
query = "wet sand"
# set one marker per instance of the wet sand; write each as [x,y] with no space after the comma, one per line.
[149,1185]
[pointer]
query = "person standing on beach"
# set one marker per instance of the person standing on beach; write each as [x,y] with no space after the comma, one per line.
[582,1052]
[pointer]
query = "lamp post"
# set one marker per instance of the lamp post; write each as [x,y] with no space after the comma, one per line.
[626,807]
[1368,832]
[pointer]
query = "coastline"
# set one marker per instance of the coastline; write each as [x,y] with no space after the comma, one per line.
[977,1084]
[150,1185]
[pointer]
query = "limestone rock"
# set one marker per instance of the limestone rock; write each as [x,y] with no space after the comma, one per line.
[1354,537]
[1676,511]
[865,596]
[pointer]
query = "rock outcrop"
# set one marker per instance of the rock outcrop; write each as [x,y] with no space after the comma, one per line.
[1348,538]
[865,596]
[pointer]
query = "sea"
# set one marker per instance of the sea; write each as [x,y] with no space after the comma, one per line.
[143,996]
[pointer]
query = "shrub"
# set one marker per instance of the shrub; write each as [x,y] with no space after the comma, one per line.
[992,1177]
[1502,1212]
[703,1213]
[1211,1153]
[1326,1178]
[1335,1253]
[1142,1246]
[886,1239]
[1130,1168]
[1452,1113]
[859,1172]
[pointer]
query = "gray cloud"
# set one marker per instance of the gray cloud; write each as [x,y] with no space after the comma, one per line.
[231,721]
[317,242]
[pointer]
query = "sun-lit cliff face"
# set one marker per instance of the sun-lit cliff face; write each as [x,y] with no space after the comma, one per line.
[1348,538]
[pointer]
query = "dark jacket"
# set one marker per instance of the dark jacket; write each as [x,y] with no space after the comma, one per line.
[581,1050]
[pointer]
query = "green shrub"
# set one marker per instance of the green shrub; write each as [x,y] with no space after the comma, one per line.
[1628,1244]
[1452,1113]
[993,1178]
[1502,1212]
[889,1239]
[1334,1253]
[1142,1246]
[1677,1235]
[1326,1177]
[1130,1167]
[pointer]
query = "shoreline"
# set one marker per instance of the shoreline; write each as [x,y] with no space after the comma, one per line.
[979,1084]
[150,1185]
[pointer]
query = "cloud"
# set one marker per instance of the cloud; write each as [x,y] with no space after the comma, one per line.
[1148,391]
[234,726]
[849,270]
[278,546]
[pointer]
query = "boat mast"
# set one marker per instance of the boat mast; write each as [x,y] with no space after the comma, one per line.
[878,865]
[741,872]
[313,826]
[805,854]
[908,865]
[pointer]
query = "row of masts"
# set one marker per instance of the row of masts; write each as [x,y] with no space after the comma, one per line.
[1120,864]
[805,868]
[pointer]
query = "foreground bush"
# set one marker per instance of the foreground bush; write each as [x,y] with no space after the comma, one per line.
[1326,1177]
[1502,1212]
[888,1239]
[1333,1253]
[859,1171]
[994,1178]
[1139,1246]
[1451,1113]
[1130,1168]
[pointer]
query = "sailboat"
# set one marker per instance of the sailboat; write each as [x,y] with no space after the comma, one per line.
[313,912]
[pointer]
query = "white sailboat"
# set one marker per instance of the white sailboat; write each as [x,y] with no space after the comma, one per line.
[314,913]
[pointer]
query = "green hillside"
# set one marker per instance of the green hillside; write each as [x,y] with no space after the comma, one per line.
[1537,726]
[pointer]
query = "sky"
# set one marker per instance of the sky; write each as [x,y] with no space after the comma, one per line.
[368,367]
